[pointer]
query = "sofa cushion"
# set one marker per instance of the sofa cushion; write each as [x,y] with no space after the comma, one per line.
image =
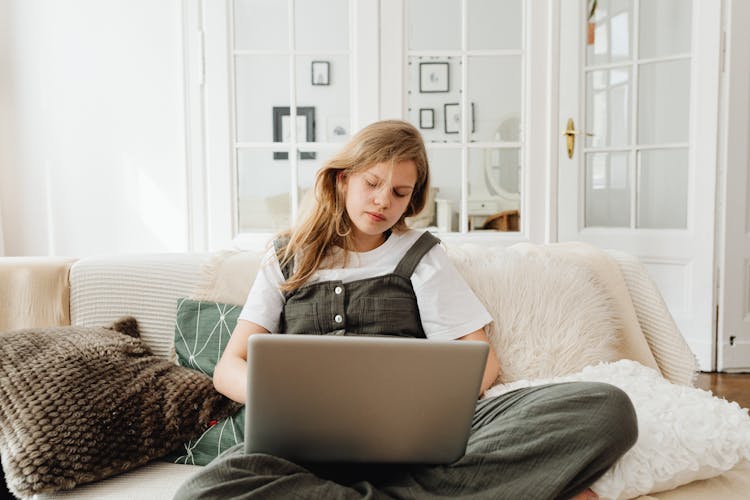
[227,276]
[202,330]
[78,404]
[684,434]
[551,316]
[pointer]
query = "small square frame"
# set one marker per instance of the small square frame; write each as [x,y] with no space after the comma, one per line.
[308,113]
[426,118]
[320,72]
[452,113]
[434,77]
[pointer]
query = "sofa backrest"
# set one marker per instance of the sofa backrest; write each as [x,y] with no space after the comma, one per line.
[148,286]
[103,289]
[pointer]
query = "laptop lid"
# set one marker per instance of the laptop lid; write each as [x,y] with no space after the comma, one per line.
[317,398]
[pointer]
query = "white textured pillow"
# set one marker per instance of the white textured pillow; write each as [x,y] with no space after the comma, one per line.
[551,316]
[684,434]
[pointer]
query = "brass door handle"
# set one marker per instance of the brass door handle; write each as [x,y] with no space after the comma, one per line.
[570,135]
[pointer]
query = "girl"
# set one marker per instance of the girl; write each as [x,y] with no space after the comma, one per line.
[353,267]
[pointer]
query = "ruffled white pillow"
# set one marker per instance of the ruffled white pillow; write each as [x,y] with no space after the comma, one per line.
[684,434]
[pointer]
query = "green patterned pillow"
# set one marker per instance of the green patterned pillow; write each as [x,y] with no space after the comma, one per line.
[202,330]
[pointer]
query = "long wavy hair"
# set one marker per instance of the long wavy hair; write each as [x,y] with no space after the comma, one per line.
[326,225]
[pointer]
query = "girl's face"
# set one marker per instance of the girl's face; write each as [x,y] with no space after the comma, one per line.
[376,199]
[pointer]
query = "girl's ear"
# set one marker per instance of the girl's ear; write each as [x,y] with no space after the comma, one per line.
[341,180]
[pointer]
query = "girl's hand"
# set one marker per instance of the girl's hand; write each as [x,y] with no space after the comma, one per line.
[230,375]
[492,368]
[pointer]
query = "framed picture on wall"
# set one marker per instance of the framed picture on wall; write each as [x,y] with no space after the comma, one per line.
[426,118]
[337,128]
[321,72]
[282,129]
[433,77]
[452,117]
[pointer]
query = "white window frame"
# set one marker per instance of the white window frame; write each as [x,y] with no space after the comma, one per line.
[377,92]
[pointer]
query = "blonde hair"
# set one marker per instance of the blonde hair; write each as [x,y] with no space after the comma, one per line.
[327,224]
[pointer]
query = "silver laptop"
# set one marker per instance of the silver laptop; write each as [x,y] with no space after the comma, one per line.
[314,398]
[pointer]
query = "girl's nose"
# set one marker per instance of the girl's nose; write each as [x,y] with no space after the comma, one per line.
[382,197]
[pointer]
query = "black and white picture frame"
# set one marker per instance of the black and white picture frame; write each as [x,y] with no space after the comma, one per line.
[305,129]
[434,77]
[452,113]
[321,72]
[426,118]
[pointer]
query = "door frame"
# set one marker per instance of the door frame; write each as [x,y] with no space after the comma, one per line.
[733,208]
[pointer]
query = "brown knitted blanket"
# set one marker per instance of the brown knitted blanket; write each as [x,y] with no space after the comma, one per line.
[81,404]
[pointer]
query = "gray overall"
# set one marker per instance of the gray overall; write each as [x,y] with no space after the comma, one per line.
[542,442]
[381,305]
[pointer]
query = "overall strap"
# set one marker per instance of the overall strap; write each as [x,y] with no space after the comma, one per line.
[409,262]
[278,244]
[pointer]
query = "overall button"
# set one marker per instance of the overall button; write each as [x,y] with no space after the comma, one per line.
[338,290]
[338,318]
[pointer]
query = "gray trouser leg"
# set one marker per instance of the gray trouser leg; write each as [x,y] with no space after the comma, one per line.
[542,442]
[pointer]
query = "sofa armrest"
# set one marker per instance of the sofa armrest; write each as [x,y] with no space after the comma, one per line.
[672,353]
[34,292]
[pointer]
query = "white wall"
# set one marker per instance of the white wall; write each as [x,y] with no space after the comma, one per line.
[4,116]
[92,154]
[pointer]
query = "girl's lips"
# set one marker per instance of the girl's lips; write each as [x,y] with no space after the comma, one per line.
[376,217]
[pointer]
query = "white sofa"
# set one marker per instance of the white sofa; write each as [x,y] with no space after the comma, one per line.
[147,287]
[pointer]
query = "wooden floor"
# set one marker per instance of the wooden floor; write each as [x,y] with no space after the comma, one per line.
[730,386]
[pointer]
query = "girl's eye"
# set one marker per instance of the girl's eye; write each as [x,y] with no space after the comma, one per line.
[399,195]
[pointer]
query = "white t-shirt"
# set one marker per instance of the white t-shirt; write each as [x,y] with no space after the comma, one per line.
[447,306]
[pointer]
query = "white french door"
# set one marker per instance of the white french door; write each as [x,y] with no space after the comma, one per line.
[642,78]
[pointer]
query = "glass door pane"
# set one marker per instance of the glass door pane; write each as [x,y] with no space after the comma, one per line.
[607,190]
[321,25]
[434,97]
[323,84]
[261,25]
[608,98]
[495,97]
[494,189]
[262,206]
[445,183]
[637,110]
[662,190]
[427,31]
[259,80]
[665,28]
[664,102]
[494,25]
[610,31]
